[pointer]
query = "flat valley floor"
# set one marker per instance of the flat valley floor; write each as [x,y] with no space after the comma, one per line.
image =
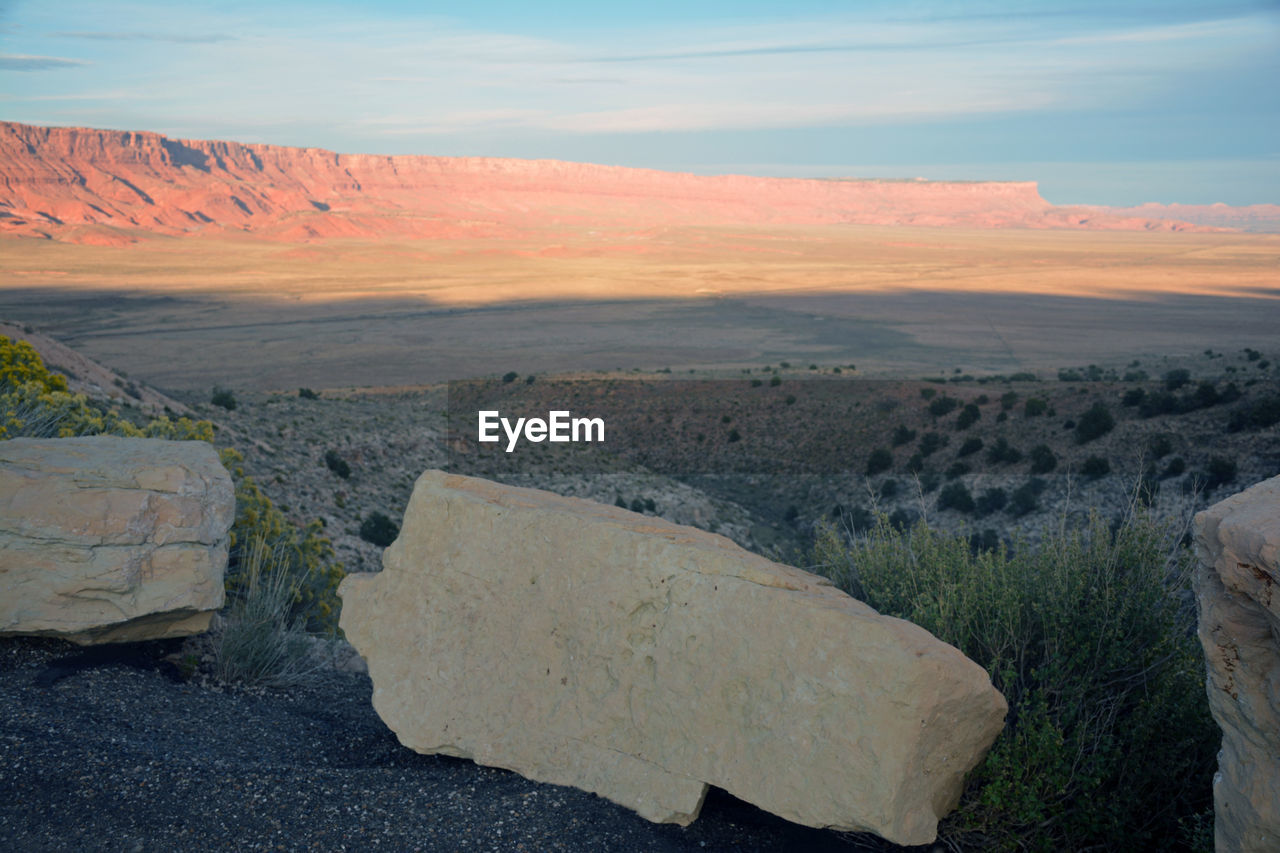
[186,314]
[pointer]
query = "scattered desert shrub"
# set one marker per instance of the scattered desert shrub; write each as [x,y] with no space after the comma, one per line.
[335,463]
[879,461]
[378,529]
[1042,459]
[902,435]
[1259,414]
[1008,400]
[1219,472]
[928,393]
[943,405]
[510,376]
[992,500]
[1026,498]
[734,435]
[1094,423]
[775,381]
[931,442]
[308,394]
[1095,467]
[957,469]
[1003,452]
[1034,407]
[1108,743]
[261,642]
[955,496]
[223,397]
[970,446]
[1133,397]
[1177,465]
[969,416]
[1175,379]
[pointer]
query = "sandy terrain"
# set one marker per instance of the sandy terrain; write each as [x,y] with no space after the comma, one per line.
[184,314]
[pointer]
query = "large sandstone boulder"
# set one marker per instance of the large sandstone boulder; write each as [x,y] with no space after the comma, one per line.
[1238,541]
[585,645]
[106,539]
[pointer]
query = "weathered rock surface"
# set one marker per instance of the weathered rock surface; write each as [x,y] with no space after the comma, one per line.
[106,539]
[585,645]
[1238,541]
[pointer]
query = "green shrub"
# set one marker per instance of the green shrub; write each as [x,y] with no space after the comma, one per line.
[1035,407]
[1095,467]
[1175,379]
[879,461]
[337,464]
[943,405]
[992,500]
[1259,414]
[1042,459]
[510,377]
[902,435]
[957,469]
[734,435]
[379,529]
[969,416]
[1220,471]
[775,381]
[1008,400]
[308,394]
[224,398]
[1026,498]
[970,446]
[1108,743]
[1177,465]
[1003,452]
[1133,397]
[1160,445]
[1094,423]
[955,496]
[931,442]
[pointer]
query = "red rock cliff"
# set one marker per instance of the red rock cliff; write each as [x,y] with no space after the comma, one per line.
[107,186]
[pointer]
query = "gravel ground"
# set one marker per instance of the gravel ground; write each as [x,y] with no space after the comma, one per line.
[121,754]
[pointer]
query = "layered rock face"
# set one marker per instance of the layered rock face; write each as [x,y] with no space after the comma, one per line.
[104,186]
[585,645]
[1238,541]
[106,539]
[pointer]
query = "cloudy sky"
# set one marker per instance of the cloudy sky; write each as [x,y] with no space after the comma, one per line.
[1101,102]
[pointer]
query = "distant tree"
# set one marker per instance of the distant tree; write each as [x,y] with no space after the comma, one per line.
[510,377]
[224,398]
[1034,407]
[379,529]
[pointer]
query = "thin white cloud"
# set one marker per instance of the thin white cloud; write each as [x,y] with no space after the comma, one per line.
[28,62]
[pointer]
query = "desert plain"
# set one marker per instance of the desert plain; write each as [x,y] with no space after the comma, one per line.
[184,314]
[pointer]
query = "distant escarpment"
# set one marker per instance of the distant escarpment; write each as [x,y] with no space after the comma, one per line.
[112,187]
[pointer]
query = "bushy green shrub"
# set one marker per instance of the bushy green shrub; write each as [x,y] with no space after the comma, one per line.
[902,435]
[879,461]
[1094,424]
[380,530]
[992,500]
[931,442]
[1008,400]
[1095,467]
[1035,407]
[1108,743]
[335,463]
[1042,459]
[224,398]
[971,445]
[1003,452]
[1026,498]
[510,376]
[943,405]
[955,496]
[1175,379]
[308,394]
[969,416]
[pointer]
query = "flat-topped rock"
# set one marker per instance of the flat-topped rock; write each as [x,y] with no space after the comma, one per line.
[108,539]
[585,645]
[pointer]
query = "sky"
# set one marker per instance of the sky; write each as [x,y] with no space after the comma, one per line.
[1100,102]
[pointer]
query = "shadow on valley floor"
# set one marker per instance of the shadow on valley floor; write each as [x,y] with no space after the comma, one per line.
[190,343]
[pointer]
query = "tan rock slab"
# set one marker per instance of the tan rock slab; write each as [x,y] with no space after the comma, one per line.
[108,539]
[1238,544]
[585,645]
